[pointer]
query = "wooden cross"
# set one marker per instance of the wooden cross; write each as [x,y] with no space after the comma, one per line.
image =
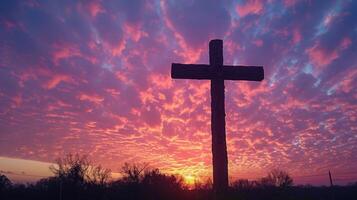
[217,73]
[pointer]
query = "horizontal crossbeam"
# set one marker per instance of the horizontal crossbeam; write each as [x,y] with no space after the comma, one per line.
[201,71]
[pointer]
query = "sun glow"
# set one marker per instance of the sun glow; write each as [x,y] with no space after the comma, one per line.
[189,180]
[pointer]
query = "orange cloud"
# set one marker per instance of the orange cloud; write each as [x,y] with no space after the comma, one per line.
[147,96]
[161,81]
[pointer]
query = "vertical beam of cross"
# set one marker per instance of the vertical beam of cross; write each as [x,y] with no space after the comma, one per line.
[218,122]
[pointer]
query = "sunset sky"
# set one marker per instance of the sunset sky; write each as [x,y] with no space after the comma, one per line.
[93,77]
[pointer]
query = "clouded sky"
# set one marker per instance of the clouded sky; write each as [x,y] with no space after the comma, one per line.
[93,77]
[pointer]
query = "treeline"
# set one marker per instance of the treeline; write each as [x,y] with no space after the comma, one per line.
[77,178]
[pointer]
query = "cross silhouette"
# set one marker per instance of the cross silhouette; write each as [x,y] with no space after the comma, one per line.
[217,73]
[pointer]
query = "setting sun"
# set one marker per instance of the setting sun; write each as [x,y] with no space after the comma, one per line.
[189,180]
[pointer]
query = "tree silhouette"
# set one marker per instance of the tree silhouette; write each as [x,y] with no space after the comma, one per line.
[278,178]
[76,176]
[138,181]
[5,183]
[203,185]
[133,173]
[156,179]
[79,170]
[243,184]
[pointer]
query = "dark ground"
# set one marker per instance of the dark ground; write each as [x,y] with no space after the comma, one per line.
[157,191]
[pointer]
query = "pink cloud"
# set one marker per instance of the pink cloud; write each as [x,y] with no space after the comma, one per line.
[91,98]
[66,50]
[247,91]
[134,32]
[345,43]
[289,3]
[122,76]
[161,81]
[118,48]
[113,92]
[25,76]
[258,42]
[58,105]
[8,24]
[284,32]
[57,79]
[17,101]
[250,7]
[346,85]
[147,96]
[296,36]
[95,8]
[322,57]
[151,116]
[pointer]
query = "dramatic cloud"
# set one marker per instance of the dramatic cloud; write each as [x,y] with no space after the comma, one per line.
[93,77]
